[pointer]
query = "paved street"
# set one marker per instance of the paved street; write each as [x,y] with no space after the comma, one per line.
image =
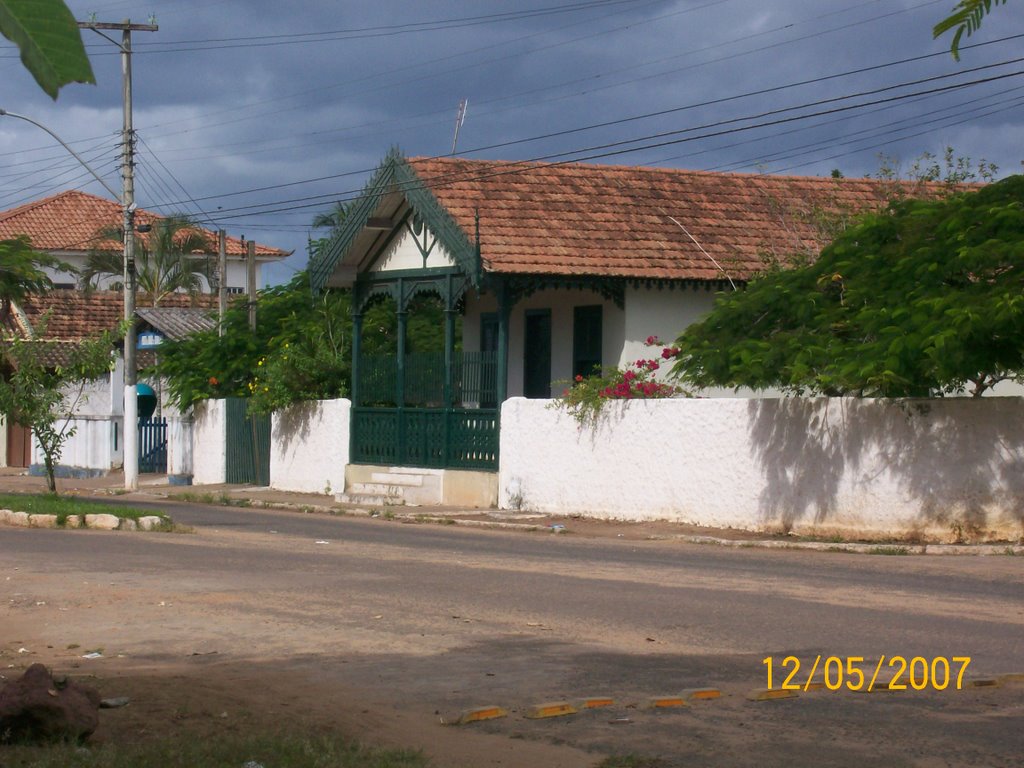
[426,620]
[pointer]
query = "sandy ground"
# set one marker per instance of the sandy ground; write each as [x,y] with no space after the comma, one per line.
[222,646]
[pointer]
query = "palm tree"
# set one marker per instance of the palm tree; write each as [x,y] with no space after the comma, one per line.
[21,272]
[331,219]
[169,258]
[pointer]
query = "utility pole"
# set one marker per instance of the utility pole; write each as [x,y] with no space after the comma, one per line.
[131,402]
[250,281]
[222,283]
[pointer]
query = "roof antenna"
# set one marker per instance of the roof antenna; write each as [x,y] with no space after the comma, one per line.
[460,118]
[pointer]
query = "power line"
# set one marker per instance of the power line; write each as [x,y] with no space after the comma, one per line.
[616,148]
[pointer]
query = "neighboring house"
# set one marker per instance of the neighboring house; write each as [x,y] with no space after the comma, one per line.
[72,316]
[70,224]
[555,269]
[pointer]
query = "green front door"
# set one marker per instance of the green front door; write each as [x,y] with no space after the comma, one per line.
[537,354]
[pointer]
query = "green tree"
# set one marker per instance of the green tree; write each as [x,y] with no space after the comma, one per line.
[170,258]
[42,394]
[966,17]
[925,298]
[21,272]
[50,43]
[299,351]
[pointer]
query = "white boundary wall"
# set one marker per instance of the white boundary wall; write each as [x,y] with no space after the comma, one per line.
[209,441]
[91,447]
[870,466]
[309,447]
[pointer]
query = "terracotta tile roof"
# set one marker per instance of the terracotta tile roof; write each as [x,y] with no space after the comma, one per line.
[178,322]
[75,315]
[72,221]
[636,222]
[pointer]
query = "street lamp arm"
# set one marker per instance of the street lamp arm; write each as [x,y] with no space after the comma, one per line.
[61,141]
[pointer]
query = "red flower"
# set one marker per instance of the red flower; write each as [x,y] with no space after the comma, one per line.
[652,340]
[213,381]
[579,377]
[629,375]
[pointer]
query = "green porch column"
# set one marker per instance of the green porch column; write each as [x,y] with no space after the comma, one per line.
[504,310]
[449,344]
[403,318]
[357,344]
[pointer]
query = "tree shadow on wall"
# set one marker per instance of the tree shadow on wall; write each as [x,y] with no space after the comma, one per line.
[295,423]
[959,462]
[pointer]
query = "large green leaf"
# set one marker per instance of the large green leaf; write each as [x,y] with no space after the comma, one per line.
[47,35]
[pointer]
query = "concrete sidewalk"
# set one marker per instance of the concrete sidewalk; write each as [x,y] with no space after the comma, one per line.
[156,487]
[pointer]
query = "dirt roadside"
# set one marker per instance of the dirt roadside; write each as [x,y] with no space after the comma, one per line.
[202,655]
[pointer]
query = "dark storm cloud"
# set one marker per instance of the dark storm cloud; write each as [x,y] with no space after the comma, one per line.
[235,96]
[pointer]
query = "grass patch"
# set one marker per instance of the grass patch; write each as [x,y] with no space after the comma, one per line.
[62,506]
[226,751]
[888,551]
[221,499]
[632,761]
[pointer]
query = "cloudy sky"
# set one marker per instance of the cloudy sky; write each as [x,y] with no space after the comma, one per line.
[254,116]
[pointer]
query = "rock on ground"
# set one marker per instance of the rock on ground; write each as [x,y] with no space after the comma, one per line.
[37,707]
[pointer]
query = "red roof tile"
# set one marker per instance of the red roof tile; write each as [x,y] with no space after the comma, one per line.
[75,315]
[637,222]
[72,221]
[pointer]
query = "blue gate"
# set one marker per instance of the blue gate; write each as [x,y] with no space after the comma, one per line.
[153,445]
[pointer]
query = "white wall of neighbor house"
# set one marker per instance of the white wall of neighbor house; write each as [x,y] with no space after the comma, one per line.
[93,445]
[209,440]
[237,273]
[309,447]
[561,303]
[938,467]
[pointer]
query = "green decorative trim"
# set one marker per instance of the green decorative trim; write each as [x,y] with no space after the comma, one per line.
[396,175]
[402,285]
[707,285]
[521,286]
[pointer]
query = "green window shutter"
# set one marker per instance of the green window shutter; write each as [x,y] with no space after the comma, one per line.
[586,339]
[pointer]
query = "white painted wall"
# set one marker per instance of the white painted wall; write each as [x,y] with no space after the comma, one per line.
[209,437]
[867,466]
[403,253]
[91,447]
[180,438]
[309,447]
[561,304]
[237,272]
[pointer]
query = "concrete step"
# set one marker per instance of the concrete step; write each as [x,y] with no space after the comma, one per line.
[397,478]
[380,489]
[368,500]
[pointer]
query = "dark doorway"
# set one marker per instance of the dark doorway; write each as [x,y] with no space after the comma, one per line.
[19,445]
[537,354]
[586,340]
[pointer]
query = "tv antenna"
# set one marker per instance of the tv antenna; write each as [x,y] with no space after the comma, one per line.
[460,118]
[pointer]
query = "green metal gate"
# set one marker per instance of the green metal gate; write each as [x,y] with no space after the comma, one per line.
[422,430]
[248,444]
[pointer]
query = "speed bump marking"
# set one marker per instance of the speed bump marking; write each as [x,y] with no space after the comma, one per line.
[770,694]
[699,694]
[667,702]
[550,709]
[596,702]
[482,713]
[985,682]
